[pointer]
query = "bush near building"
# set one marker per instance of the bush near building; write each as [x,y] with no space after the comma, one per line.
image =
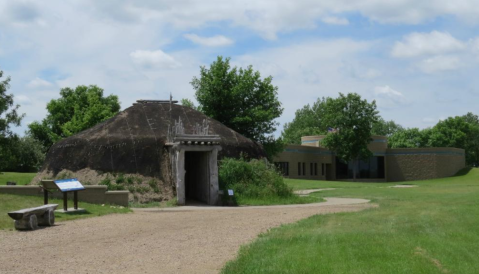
[256,182]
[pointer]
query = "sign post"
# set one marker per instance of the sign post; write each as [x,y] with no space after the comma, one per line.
[64,186]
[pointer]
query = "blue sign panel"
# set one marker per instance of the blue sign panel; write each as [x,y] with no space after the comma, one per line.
[69,185]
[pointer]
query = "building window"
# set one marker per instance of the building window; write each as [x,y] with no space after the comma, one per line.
[315,169]
[304,168]
[299,169]
[311,169]
[372,168]
[322,169]
[283,167]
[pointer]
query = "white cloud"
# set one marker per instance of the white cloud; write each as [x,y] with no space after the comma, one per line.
[154,59]
[440,63]
[474,45]
[39,83]
[332,20]
[214,41]
[22,99]
[108,35]
[420,44]
[360,71]
[388,97]
[269,17]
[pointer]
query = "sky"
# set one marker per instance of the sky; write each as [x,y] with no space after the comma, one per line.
[418,59]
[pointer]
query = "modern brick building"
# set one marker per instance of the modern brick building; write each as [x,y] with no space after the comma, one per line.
[311,161]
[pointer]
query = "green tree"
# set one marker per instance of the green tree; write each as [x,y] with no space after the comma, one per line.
[23,155]
[352,120]
[307,121]
[385,128]
[239,98]
[188,103]
[77,109]
[8,111]
[409,138]
[452,132]
[9,116]
[472,144]
[459,132]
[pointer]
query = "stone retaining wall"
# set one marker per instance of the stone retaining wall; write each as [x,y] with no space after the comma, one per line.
[91,194]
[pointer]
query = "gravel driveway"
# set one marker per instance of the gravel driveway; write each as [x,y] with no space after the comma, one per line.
[176,240]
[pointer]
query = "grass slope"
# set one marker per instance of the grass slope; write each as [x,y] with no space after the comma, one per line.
[15,202]
[20,178]
[433,228]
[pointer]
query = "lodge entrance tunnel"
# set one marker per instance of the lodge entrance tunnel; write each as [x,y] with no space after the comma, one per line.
[197,176]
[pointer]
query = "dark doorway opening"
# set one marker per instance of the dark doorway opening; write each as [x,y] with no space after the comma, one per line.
[196,177]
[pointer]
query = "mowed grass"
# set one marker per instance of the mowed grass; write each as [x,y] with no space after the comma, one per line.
[297,184]
[19,178]
[275,200]
[433,228]
[16,202]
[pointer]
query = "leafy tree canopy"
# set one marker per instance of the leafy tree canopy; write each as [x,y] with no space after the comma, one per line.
[8,111]
[307,122]
[409,138]
[188,103]
[385,128]
[239,98]
[452,132]
[352,119]
[76,110]
[459,132]
[22,155]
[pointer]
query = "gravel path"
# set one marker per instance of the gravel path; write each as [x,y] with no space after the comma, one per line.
[177,240]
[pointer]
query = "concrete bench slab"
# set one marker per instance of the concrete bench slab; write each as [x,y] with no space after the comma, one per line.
[31,218]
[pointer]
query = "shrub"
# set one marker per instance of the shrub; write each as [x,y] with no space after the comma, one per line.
[152,183]
[64,175]
[142,189]
[120,179]
[106,182]
[116,187]
[132,189]
[109,186]
[130,180]
[253,179]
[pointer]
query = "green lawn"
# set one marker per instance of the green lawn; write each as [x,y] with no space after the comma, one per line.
[275,200]
[433,228]
[20,178]
[312,184]
[15,202]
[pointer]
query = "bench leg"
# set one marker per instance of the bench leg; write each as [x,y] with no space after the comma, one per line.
[29,222]
[47,219]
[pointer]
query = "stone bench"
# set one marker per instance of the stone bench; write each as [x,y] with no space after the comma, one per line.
[31,218]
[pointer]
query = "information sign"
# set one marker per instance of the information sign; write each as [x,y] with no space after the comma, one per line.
[69,185]
[230,192]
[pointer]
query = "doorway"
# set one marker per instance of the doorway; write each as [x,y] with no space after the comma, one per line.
[197,181]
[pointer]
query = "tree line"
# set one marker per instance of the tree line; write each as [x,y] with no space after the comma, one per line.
[242,100]
[76,110]
[459,131]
